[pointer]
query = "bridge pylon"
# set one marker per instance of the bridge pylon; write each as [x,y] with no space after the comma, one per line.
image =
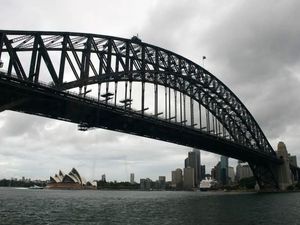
[284,174]
[276,177]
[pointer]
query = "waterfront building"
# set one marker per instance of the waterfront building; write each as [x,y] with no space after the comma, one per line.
[213,173]
[177,180]
[193,161]
[72,180]
[145,184]
[202,177]
[216,172]
[243,170]
[186,163]
[103,178]
[231,174]
[162,182]
[293,160]
[198,166]
[188,178]
[224,170]
[132,178]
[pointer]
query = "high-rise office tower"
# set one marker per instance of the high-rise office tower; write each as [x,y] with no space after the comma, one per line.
[216,172]
[132,178]
[186,163]
[198,163]
[103,178]
[202,172]
[243,170]
[145,184]
[188,178]
[193,164]
[193,161]
[231,174]
[177,179]
[162,182]
[224,170]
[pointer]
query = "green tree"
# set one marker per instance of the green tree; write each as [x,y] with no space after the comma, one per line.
[248,183]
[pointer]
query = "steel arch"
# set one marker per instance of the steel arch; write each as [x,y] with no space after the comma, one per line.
[120,59]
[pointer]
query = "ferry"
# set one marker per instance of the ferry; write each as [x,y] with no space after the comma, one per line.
[36,187]
[207,184]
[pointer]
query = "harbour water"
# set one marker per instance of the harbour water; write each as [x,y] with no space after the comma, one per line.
[27,206]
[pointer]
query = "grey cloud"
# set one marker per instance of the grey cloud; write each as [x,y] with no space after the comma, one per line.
[250,45]
[258,43]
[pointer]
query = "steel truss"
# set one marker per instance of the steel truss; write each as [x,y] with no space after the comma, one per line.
[97,59]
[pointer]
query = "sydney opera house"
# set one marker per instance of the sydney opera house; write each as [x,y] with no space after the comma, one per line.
[72,181]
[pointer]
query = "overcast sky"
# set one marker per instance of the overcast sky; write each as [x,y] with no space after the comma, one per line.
[252,46]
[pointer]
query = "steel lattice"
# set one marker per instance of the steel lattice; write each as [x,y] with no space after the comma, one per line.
[96,59]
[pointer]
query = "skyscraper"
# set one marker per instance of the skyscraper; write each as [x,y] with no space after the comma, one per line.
[193,164]
[177,179]
[243,170]
[103,178]
[186,163]
[145,184]
[224,170]
[216,172]
[193,161]
[202,172]
[188,178]
[132,178]
[231,174]
[161,182]
[198,163]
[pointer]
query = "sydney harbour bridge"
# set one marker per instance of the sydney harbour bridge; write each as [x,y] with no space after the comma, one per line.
[129,86]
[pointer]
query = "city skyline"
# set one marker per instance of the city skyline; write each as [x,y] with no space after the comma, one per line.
[35,146]
[131,177]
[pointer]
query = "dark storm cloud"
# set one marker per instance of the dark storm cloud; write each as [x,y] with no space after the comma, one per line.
[252,46]
[259,43]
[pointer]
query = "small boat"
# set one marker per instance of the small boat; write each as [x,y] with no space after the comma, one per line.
[36,187]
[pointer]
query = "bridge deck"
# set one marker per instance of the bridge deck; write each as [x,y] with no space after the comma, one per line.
[39,99]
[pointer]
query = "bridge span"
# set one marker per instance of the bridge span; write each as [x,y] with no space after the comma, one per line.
[129,86]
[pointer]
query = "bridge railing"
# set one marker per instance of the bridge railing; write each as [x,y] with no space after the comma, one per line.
[117,107]
[152,119]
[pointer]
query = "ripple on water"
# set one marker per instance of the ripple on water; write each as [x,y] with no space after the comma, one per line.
[26,206]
